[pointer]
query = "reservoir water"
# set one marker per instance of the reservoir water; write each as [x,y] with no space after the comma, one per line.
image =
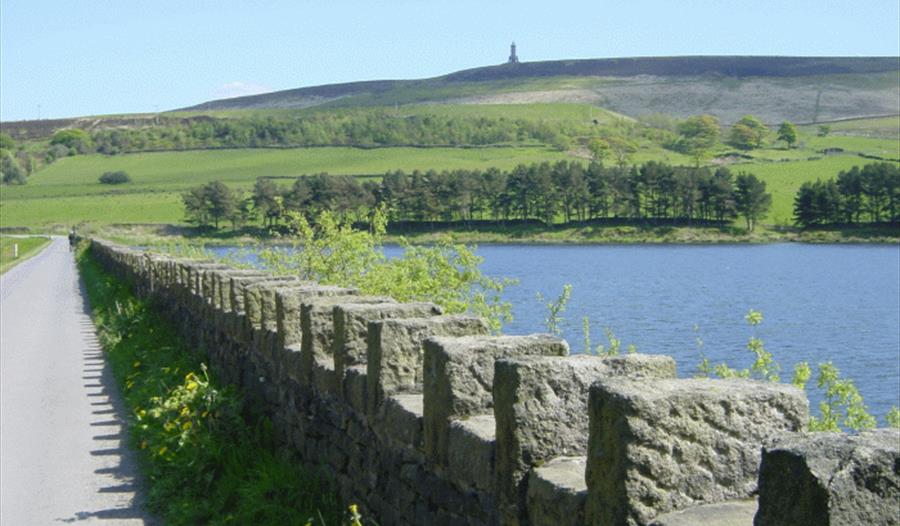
[819,302]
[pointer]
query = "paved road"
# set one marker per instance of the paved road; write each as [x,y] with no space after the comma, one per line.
[63,456]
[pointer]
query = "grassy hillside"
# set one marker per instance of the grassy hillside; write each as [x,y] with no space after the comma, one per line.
[800,89]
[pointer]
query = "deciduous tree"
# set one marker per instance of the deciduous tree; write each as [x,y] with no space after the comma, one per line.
[787,132]
[748,133]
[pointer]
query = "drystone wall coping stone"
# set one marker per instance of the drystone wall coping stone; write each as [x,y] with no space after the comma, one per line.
[257,293]
[354,387]
[732,513]
[657,446]
[395,356]
[317,329]
[193,271]
[213,284]
[471,452]
[287,307]
[459,373]
[269,300]
[199,275]
[351,327]
[237,284]
[831,478]
[541,406]
[400,419]
[223,285]
[557,493]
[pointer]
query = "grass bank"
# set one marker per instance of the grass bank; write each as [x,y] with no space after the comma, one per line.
[27,247]
[204,459]
[526,234]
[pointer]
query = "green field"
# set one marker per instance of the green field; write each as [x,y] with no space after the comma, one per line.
[784,179]
[28,246]
[67,191]
[886,127]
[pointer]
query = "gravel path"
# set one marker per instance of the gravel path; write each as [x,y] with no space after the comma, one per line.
[63,454]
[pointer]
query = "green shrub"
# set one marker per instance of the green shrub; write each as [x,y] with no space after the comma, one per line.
[117,177]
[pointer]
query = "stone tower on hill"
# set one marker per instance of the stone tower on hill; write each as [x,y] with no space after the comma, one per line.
[513,59]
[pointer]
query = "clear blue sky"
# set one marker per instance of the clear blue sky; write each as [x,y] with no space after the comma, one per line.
[88,57]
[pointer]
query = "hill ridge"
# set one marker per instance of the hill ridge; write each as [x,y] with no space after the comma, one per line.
[737,66]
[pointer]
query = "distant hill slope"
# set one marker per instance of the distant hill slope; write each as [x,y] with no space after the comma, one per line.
[728,66]
[801,89]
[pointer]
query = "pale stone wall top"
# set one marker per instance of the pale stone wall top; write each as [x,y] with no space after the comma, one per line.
[663,445]
[351,327]
[288,301]
[459,374]
[395,354]
[831,478]
[541,406]
[317,327]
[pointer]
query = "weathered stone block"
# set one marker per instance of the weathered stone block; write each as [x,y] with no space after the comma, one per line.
[287,307]
[157,264]
[259,293]
[459,373]
[733,513]
[354,388]
[540,403]
[194,274]
[400,418]
[269,303]
[471,448]
[661,445]
[237,284]
[395,355]
[830,479]
[207,284]
[292,361]
[557,493]
[223,285]
[317,329]
[351,328]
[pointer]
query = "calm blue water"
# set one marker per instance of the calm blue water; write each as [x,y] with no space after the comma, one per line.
[819,302]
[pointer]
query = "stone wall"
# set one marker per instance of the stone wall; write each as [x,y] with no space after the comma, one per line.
[423,418]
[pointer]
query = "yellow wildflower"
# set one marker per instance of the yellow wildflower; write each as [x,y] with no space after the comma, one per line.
[355,516]
[185,426]
[185,411]
[191,386]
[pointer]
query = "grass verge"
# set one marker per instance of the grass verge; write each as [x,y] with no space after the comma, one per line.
[28,246]
[204,461]
[531,233]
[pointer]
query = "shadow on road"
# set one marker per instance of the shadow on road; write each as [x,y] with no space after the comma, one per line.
[119,470]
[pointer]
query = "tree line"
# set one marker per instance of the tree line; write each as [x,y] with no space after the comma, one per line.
[373,128]
[870,194]
[549,193]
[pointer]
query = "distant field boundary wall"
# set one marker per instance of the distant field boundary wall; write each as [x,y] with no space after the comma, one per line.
[422,418]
